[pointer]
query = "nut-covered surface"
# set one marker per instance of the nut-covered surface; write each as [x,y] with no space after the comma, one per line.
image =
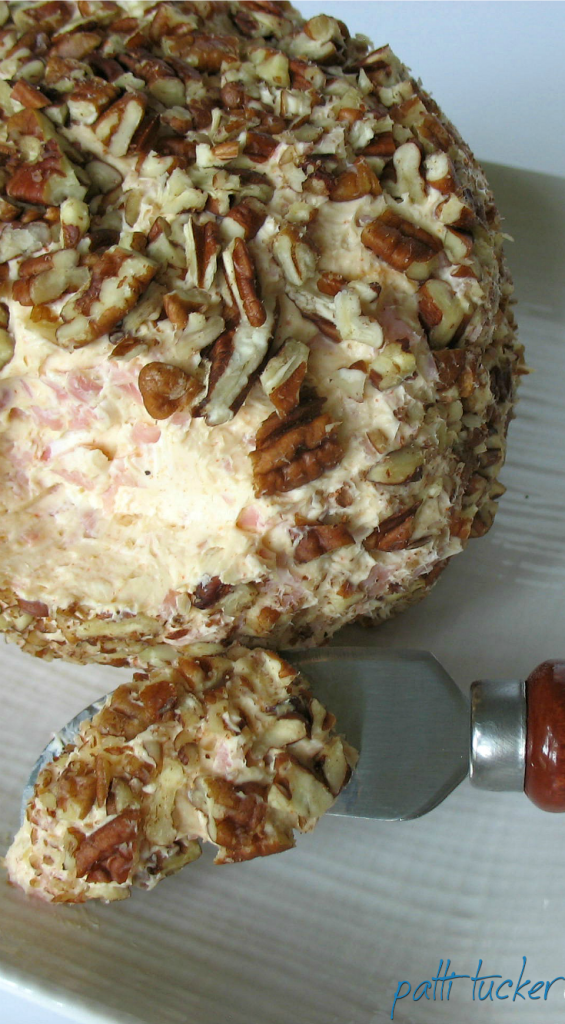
[227,748]
[256,340]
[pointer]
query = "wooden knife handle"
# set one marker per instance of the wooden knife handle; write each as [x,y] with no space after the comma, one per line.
[544,781]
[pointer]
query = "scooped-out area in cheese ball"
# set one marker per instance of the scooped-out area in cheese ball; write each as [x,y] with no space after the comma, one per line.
[257,351]
[230,748]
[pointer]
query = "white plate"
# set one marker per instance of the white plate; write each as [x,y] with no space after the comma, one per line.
[324,934]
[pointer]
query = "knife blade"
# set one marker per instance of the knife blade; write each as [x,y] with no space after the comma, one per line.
[407,718]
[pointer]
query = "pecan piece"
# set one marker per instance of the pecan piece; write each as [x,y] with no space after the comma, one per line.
[110,848]
[401,466]
[45,278]
[75,222]
[355,182]
[296,450]
[128,713]
[208,594]
[240,814]
[401,244]
[245,218]
[118,278]
[330,284]
[260,146]
[246,284]
[49,17]
[319,40]
[103,10]
[8,211]
[220,358]
[440,312]
[326,327]
[391,365]
[89,99]
[118,124]
[232,95]
[159,699]
[76,786]
[501,383]
[202,248]
[28,95]
[296,258]
[383,146]
[274,7]
[76,45]
[450,364]
[177,310]
[209,52]
[166,389]
[284,374]
[48,181]
[440,173]
[320,540]
[306,76]
[427,128]
[394,533]
[238,355]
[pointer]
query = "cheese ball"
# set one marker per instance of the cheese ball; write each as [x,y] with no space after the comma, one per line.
[257,349]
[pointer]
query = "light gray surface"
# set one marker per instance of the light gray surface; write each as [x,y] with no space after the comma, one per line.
[479,876]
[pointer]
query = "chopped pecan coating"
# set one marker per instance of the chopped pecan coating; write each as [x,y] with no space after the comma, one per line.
[214,141]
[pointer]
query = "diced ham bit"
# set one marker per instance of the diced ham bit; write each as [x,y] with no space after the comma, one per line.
[83,388]
[251,520]
[231,749]
[257,350]
[145,433]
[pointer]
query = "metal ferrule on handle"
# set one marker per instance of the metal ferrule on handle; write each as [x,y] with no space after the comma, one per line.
[518,736]
[498,735]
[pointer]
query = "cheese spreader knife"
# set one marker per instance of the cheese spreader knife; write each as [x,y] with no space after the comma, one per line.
[417,734]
